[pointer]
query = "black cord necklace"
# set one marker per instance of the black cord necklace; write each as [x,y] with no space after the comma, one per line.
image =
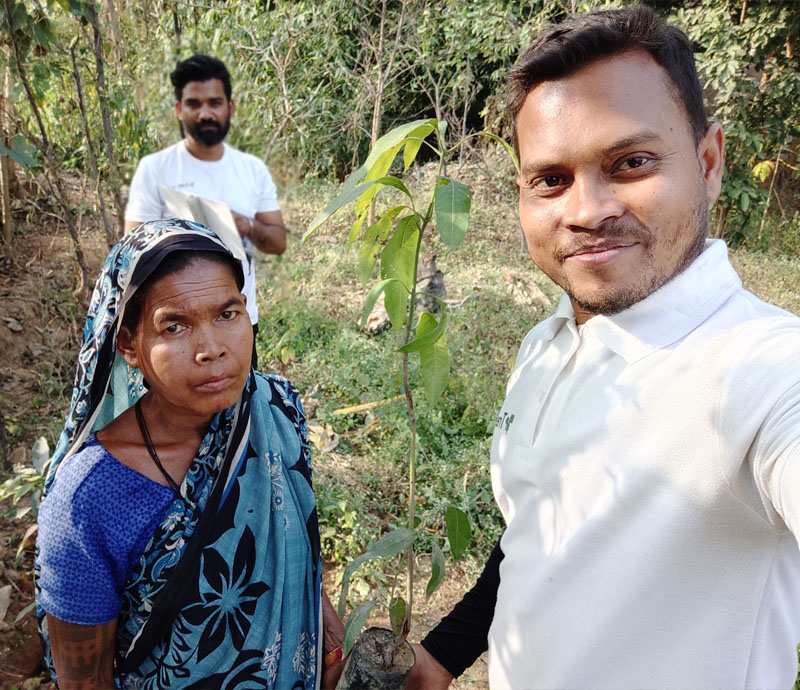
[150,449]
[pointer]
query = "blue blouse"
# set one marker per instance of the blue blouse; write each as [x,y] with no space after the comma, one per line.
[93,526]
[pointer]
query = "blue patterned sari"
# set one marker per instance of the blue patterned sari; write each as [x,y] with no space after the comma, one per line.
[232,601]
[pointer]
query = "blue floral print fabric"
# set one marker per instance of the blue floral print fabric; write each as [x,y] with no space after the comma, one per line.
[249,614]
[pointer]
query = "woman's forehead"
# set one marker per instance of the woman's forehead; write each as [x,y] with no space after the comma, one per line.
[202,283]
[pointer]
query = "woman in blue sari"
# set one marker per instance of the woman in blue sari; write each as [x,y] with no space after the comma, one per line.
[178,543]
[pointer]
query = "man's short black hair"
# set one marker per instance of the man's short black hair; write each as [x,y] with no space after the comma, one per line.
[200,68]
[584,38]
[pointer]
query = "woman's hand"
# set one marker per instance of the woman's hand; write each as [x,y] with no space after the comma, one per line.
[83,655]
[332,631]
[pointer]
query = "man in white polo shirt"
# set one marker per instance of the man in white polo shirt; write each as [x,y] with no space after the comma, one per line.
[647,456]
[202,164]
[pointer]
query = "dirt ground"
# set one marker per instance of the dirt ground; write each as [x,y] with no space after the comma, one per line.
[39,332]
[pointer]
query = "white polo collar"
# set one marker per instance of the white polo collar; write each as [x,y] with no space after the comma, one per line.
[667,315]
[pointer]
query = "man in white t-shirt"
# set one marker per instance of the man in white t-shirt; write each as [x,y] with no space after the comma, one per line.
[202,164]
[646,459]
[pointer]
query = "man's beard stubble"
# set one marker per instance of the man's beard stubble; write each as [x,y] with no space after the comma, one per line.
[618,299]
[214,133]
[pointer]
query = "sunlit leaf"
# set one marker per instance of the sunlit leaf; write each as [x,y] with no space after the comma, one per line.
[459,533]
[392,137]
[452,202]
[425,334]
[414,142]
[434,361]
[398,260]
[372,242]
[354,625]
[30,607]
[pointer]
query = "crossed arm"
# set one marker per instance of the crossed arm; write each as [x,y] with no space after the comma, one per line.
[266,231]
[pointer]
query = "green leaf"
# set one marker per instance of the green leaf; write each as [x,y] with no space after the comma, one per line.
[354,625]
[414,142]
[426,334]
[346,196]
[372,243]
[509,149]
[434,361]
[392,543]
[28,533]
[372,297]
[355,229]
[391,138]
[397,614]
[383,162]
[21,152]
[452,202]
[437,570]
[398,261]
[30,607]
[388,545]
[368,195]
[458,531]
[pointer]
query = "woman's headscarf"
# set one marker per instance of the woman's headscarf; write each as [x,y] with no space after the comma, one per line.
[227,591]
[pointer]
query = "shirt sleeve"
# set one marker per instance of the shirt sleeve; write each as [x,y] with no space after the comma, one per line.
[777,459]
[93,525]
[462,636]
[144,198]
[268,193]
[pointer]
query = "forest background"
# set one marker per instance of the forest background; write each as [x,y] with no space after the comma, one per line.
[85,94]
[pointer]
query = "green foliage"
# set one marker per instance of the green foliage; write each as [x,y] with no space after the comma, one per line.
[747,59]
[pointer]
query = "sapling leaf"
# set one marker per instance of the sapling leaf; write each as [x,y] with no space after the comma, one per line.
[372,243]
[389,544]
[458,531]
[437,570]
[355,622]
[414,142]
[372,297]
[398,260]
[509,149]
[425,334]
[345,197]
[392,137]
[383,162]
[434,361]
[397,614]
[452,202]
[355,229]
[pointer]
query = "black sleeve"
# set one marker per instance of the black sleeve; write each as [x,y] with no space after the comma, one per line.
[462,636]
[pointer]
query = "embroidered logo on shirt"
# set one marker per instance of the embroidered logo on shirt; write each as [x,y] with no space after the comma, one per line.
[504,420]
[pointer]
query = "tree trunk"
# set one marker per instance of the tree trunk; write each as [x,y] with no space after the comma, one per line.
[5,161]
[110,234]
[116,33]
[102,95]
[51,169]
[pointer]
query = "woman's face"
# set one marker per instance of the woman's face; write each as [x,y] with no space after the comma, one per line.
[194,341]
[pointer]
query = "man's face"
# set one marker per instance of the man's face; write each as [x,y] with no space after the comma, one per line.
[205,111]
[613,191]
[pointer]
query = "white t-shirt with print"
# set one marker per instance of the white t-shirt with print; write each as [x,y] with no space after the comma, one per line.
[238,179]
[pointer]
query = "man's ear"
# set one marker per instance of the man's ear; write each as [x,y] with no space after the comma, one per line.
[711,154]
[126,348]
[178,112]
[231,107]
